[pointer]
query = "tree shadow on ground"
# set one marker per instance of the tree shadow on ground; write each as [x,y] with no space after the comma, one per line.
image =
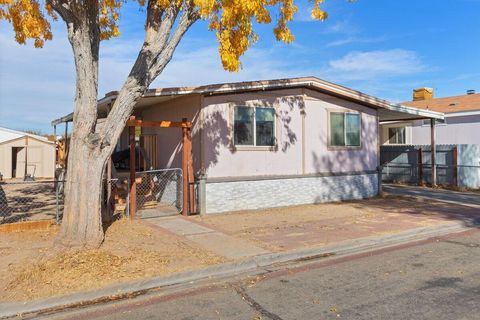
[20,201]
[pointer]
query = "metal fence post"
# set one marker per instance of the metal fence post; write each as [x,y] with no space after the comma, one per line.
[455,166]
[57,209]
[379,176]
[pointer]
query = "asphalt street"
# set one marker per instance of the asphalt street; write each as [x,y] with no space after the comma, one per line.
[434,279]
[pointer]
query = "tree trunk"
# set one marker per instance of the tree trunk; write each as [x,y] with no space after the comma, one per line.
[91,145]
[82,221]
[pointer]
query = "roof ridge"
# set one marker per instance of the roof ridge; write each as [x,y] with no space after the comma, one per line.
[24,133]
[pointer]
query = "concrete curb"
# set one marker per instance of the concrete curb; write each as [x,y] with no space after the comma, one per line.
[132,289]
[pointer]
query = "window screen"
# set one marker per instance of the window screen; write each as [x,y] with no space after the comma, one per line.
[264,125]
[352,129]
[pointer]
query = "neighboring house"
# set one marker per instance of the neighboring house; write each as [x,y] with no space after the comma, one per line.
[269,143]
[460,126]
[24,153]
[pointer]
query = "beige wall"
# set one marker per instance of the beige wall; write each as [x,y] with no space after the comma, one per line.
[170,139]
[384,139]
[40,158]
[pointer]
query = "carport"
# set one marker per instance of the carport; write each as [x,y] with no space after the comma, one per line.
[393,113]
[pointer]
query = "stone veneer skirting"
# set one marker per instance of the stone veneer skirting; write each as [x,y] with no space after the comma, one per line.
[257,193]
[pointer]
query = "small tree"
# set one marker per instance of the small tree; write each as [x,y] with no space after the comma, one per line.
[89,22]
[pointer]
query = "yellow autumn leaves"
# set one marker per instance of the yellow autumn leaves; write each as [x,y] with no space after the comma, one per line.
[28,20]
[232,20]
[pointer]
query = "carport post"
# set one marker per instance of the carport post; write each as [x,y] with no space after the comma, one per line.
[133,184]
[433,152]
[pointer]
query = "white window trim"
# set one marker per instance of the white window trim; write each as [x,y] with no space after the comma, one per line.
[329,137]
[408,132]
[437,122]
[397,143]
[254,147]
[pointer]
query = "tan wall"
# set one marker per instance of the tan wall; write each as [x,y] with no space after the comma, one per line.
[169,140]
[40,158]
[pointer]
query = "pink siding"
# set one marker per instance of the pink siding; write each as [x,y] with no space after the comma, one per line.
[318,157]
[296,154]
[222,161]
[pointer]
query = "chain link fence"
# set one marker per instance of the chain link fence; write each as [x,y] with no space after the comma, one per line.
[159,192]
[116,196]
[30,200]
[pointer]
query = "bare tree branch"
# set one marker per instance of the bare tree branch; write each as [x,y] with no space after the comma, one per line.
[156,51]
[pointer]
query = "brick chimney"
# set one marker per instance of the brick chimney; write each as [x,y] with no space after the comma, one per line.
[422,94]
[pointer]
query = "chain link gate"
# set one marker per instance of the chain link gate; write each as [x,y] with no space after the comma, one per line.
[159,192]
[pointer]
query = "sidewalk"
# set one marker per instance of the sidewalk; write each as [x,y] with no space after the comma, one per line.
[253,240]
[462,198]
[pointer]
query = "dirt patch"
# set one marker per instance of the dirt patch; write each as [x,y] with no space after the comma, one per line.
[22,201]
[287,228]
[31,269]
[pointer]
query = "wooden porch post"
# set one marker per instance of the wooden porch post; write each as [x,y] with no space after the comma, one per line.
[191,188]
[185,188]
[26,158]
[133,183]
[433,149]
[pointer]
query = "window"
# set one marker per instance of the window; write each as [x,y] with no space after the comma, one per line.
[426,122]
[397,135]
[254,126]
[345,128]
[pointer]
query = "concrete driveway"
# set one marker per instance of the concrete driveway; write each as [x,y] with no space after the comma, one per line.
[469,199]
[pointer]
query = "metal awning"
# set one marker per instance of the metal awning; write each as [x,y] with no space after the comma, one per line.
[396,112]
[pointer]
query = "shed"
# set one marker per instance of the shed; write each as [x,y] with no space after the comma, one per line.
[23,153]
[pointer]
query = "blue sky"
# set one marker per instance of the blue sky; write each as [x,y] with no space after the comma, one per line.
[383,48]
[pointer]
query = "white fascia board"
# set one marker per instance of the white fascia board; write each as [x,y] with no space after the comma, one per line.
[417,112]
[463,113]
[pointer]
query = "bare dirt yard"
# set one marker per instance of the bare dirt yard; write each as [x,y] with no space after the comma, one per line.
[287,228]
[30,268]
[22,201]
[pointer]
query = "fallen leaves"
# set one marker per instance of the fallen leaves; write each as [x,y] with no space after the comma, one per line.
[131,251]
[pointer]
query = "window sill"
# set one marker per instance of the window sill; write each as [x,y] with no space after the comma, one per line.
[254,148]
[340,148]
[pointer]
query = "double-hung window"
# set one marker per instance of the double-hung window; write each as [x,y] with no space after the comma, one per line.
[345,129]
[254,126]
